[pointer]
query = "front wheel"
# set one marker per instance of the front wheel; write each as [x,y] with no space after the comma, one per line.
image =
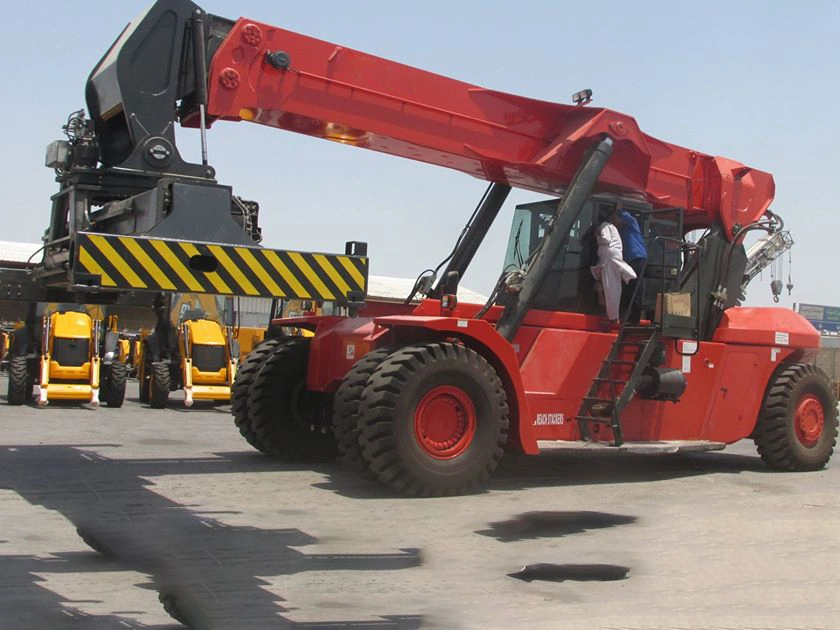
[20,381]
[348,397]
[289,420]
[160,385]
[114,385]
[797,425]
[241,390]
[433,420]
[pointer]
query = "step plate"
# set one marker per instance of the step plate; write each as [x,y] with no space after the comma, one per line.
[664,447]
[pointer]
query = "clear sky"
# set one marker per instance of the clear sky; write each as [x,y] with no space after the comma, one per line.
[754,81]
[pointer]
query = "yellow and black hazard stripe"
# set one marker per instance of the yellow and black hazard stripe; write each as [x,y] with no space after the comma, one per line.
[156,264]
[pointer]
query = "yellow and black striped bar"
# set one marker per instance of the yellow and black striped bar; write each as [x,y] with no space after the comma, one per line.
[156,264]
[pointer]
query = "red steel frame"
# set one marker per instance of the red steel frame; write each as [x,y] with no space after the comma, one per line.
[347,96]
[555,355]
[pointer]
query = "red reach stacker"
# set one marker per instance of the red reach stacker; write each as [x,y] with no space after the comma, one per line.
[428,400]
[428,397]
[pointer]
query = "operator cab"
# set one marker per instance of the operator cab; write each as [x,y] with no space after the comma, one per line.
[570,286]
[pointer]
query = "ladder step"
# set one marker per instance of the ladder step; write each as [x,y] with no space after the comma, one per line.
[639,328]
[621,390]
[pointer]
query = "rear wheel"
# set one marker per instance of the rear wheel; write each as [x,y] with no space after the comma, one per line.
[245,376]
[289,420]
[797,426]
[160,386]
[114,384]
[346,406]
[433,420]
[20,381]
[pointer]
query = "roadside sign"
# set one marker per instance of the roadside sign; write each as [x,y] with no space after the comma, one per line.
[823,318]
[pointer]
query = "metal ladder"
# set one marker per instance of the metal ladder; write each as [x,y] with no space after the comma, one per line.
[609,395]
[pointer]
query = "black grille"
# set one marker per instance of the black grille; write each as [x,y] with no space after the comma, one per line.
[71,352]
[208,358]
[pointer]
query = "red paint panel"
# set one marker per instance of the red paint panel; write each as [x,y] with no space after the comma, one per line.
[725,387]
[556,373]
[347,96]
[533,318]
[337,345]
[733,412]
[767,327]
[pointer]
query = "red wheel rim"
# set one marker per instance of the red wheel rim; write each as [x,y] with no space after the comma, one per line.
[808,420]
[444,422]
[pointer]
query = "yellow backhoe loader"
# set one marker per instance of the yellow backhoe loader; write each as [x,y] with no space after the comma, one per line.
[74,359]
[196,356]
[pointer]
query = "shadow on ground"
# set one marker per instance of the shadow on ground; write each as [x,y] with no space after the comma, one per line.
[552,524]
[205,572]
[555,469]
[544,572]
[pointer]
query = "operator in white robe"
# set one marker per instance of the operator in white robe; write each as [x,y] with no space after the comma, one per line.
[611,269]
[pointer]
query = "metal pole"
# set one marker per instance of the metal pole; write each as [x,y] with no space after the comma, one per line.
[200,64]
[568,211]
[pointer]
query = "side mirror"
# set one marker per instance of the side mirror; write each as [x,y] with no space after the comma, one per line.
[450,283]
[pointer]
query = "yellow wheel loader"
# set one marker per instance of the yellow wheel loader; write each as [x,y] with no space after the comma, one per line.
[74,359]
[195,356]
[248,338]
[5,341]
[128,349]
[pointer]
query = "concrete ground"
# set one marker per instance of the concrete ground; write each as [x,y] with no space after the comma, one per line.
[102,510]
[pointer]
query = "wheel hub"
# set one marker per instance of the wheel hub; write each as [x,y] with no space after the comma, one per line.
[809,420]
[307,411]
[444,422]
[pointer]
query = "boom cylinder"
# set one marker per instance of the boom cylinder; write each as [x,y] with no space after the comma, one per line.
[464,253]
[557,236]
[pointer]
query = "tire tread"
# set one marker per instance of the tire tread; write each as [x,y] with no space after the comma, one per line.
[773,435]
[376,417]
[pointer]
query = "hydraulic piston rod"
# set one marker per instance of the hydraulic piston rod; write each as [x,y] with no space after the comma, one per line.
[556,237]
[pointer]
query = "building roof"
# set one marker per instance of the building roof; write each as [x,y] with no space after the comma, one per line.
[18,253]
[387,288]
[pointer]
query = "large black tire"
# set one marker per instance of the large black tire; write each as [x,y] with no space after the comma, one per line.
[245,375]
[346,407]
[797,425]
[113,385]
[290,421]
[20,381]
[160,386]
[433,420]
